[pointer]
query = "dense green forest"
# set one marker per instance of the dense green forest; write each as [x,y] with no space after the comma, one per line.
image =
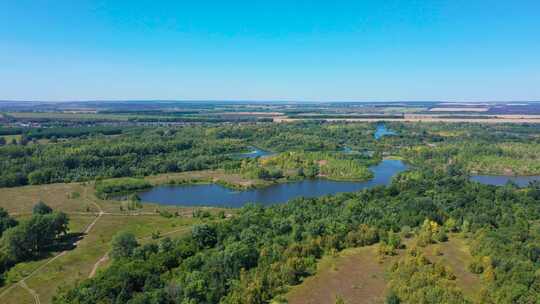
[254,256]
[146,151]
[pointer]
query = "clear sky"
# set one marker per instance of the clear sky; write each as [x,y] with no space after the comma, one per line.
[270,50]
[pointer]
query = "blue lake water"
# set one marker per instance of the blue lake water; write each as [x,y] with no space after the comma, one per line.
[500,180]
[255,152]
[216,195]
[383,131]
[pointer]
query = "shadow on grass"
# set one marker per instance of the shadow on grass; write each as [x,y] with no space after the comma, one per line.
[66,242]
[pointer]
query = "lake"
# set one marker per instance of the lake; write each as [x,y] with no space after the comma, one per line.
[383,131]
[216,195]
[501,180]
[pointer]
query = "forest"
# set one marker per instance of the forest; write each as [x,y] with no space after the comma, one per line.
[257,254]
[145,151]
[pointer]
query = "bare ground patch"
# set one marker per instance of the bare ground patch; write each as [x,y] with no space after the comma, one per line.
[456,255]
[355,275]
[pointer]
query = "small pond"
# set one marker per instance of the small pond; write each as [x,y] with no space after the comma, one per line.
[254,153]
[501,180]
[216,195]
[383,131]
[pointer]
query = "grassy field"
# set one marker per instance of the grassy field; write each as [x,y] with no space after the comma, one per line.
[20,200]
[358,277]
[354,274]
[43,277]
[80,197]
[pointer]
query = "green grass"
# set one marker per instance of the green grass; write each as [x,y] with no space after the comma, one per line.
[77,264]
[17,295]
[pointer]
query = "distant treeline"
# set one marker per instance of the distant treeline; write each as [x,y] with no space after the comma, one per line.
[11,131]
[199,119]
[62,132]
[149,112]
[329,116]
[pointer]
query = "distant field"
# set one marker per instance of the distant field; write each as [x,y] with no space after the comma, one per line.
[70,116]
[456,109]
[403,109]
[431,118]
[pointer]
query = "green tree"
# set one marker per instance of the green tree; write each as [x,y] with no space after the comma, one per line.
[41,208]
[6,221]
[204,235]
[34,236]
[123,245]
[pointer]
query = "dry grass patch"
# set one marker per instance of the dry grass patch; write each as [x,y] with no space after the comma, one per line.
[358,277]
[355,275]
[455,254]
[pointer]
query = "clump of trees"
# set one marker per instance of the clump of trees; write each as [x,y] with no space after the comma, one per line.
[331,165]
[414,279]
[29,239]
[111,187]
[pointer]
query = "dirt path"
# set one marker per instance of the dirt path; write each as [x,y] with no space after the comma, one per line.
[22,282]
[102,260]
[86,231]
[31,291]
[105,257]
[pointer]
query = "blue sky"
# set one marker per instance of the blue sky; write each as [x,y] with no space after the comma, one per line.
[270,50]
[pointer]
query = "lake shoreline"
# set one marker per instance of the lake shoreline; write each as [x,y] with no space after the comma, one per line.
[213,194]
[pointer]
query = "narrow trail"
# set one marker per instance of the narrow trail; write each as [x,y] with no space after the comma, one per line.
[105,257]
[87,230]
[31,291]
[22,282]
[102,260]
